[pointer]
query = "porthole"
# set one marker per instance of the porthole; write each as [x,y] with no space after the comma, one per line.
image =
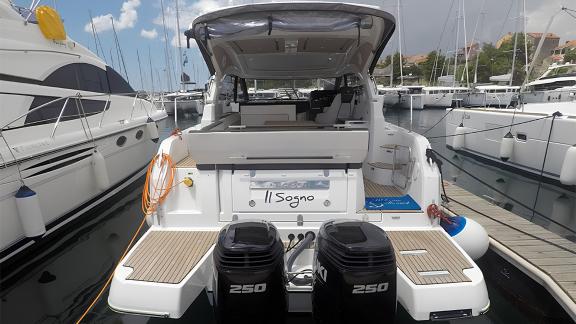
[121,141]
[139,134]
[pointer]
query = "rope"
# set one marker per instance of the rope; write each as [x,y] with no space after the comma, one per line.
[556,114]
[502,193]
[438,122]
[491,129]
[150,203]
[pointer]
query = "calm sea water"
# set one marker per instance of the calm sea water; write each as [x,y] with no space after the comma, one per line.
[56,285]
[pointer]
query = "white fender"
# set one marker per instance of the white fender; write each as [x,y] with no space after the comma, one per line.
[458,141]
[469,235]
[568,171]
[100,171]
[28,206]
[506,147]
[152,130]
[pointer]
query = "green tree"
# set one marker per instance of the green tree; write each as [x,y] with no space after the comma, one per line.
[498,61]
[570,56]
[431,68]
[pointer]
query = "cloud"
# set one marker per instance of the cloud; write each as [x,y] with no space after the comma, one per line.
[127,19]
[150,34]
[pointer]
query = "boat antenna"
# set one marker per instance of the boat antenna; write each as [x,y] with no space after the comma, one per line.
[119,51]
[140,69]
[400,43]
[179,46]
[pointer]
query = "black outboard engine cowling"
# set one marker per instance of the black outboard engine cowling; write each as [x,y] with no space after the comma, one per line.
[249,279]
[354,274]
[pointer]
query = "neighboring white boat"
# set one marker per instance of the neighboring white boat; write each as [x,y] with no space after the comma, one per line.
[391,94]
[492,96]
[251,179]
[72,130]
[191,102]
[442,97]
[557,84]
[412,97]
[520,147]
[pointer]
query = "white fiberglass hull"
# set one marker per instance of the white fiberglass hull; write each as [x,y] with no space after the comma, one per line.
[440,100]
[65,182]
[184,106]
[408,101]
[530,139]
[489,99]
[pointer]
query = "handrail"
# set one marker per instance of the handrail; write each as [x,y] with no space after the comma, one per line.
[59,117]
[410,165]
[39,51]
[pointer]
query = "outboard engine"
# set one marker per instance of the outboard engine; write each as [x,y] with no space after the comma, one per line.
[249,278]
[354,274]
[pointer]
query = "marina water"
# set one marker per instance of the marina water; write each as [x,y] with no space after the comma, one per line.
[56,285]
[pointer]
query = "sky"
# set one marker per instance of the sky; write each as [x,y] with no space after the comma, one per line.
[140,29]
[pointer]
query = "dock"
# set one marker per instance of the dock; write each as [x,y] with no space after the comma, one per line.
[548,264]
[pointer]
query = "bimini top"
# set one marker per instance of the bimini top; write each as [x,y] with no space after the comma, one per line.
[292,40]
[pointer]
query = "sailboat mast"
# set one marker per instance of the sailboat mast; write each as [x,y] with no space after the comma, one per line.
[514,53]
[400,43]
[466,51]
[392,69]
[456,47]
[179,46]
[525,39]
[140,69]
[94,33]
[166,52]
[151,72]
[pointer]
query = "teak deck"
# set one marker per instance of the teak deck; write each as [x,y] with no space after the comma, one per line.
[168,256]
[558,264]
[428,257]
[372,189]
[187,162]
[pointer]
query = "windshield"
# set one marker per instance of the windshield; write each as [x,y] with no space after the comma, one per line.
[286,89]
[561,71]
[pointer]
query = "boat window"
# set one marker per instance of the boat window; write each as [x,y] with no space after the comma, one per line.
[117,82]
[121,141]
[63,77]
[92,78]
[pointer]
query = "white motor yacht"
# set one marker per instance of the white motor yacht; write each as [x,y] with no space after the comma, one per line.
[557,84]
[72,131]
[316,205]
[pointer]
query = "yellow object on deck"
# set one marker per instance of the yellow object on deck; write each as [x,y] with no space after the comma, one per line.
[50,23]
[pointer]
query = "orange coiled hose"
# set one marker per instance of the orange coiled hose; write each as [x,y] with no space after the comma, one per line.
[150,202]
[155,193]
